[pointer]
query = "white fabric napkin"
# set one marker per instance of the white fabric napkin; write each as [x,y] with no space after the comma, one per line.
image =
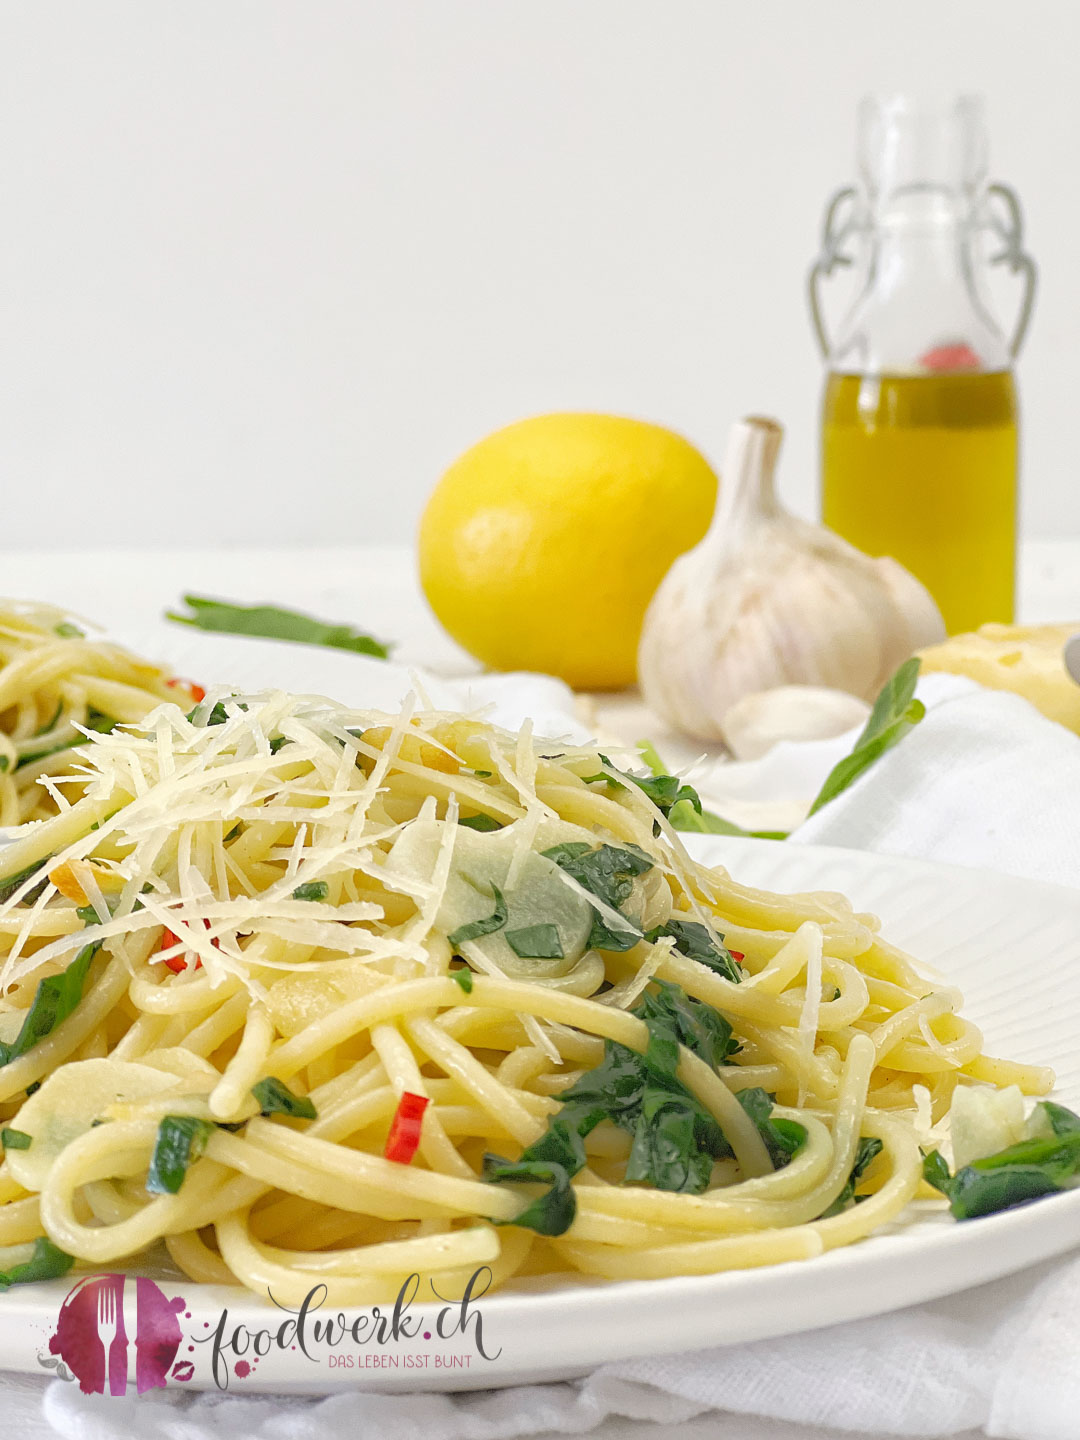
[985,781]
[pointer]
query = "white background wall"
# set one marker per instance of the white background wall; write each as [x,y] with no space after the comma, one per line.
[266,266]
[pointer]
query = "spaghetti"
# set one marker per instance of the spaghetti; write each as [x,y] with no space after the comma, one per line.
[56,685]
[313,995]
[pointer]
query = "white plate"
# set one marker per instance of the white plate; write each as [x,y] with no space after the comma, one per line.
[1013,946]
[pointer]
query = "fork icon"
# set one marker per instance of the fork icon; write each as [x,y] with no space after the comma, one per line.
[108,1326]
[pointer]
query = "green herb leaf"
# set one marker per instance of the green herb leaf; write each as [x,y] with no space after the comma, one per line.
[663,790]
[54,1000]
[607,872]
[12,883]
[667,1149]
[648,752]
[15,1139]
[685,818]
[476,928]
[5,761]
[480,822]
[181,1139]
[274,623]
[693,941]
[278,743]
[674,1138]
[52,723]
[98,721]
[67,631]
[311,890]
[233,832]
[275,1098]
[216,716]
[568,850]
[48,1262]
[1062,1121]
[536,942]
[866,1152]
[463,977]
[670,1012]
[1021,1172]
[895,712]
[551,1213]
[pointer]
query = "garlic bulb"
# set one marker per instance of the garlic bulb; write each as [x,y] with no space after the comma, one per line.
[761,720]
[767,599]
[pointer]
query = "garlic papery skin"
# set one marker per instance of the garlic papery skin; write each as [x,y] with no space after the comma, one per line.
[767,599]
[759,721]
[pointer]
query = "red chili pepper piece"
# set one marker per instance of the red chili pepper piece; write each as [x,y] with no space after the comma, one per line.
[196,692]
[176,963]
[737,955]
[404,1136]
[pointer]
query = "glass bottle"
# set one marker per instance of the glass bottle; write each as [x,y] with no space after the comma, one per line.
[919,426]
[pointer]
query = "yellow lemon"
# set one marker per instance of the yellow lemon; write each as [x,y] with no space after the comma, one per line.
[541,547]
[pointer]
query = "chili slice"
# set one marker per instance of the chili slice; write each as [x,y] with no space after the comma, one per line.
[196,692]
[177,963]
[404,1136]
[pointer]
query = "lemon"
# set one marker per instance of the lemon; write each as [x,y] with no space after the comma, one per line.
[541,547]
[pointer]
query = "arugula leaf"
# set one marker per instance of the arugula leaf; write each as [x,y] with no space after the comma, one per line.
[54,1000]
[48,1262]
[681,1019]
[274,623]
[217,716]
[1025,1171]
[15,1139]
[895,712]
[311,890]
[463,977]
[783,1138]
[480,822]
[12,883]
[693,941]
[936,1172]
[674,1138]
[100,722]
[685,818]
[551,1213]
[607,872]
[275,1098]
[669,1149]
[866,1152]
[663,790]
[52,723]
[181,1139]
[1062,1121]
[536,942]
[476,928]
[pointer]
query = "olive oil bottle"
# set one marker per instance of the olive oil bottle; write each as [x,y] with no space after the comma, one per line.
[919,455]
[924,468]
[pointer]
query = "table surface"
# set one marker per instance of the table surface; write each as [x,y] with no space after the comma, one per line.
[376,588]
